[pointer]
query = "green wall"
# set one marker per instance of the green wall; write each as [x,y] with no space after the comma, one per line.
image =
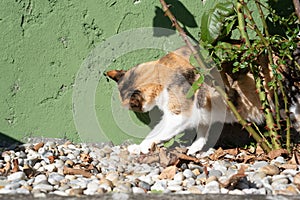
[44,47]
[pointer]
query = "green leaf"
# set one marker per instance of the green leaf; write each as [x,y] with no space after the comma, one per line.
[215,21]
[169,143]
[195,86]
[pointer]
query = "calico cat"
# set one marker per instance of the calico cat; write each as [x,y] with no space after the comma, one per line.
[165,82]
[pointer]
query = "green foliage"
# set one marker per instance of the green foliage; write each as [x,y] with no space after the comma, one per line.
[217,27]
[217,22]
[195,86]
[174,140]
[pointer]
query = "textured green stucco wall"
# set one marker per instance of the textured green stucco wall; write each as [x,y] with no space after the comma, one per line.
[44,43]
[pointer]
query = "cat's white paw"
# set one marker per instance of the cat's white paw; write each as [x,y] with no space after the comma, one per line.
[137,149]
[134,149]
[192,151]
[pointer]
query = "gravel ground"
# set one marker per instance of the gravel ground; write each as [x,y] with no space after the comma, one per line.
[69,170]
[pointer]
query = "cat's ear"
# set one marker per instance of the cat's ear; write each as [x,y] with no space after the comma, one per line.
[116,75]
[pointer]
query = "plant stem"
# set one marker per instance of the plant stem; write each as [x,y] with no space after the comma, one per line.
[262,93]
[261,140]
[264,143]
[185,38]
[241,24]
[287,120]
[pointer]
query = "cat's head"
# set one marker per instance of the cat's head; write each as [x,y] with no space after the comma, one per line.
[137,92]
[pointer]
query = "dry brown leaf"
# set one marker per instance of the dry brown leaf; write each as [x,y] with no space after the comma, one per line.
[71,171]
[249,158]
[297,179]
[38,146]
[288,166]
[278,152]
[148,159]
[219,153]
[234,179]
[168,173]
[28,171]
[15,166]
[51,159]
[205,171]
[5,169]
[85,157]
[185,157]
[295,158]
[163,159]
[259,151]
[233,152]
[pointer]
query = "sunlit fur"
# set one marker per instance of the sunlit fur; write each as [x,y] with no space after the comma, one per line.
[165,82]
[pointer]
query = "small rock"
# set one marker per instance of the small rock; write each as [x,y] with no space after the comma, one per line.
[279,159]
[195,189]
[216,173]
[59,193]
[178,176]
[146,179]
[259,175]
[123,188]
[50,167]
[42,187]
[259,164]
[251,191]
[270,170]
[280,178]
[291,172]
[297,179]
[242,184]
[22,191]
[144,185]
[74,192]
[212,178]
[212,188]
[40,179]
[159,185]
[187,173]
[289,190]
[174,188]
[55,178]
[17,176]
[7,191]
[92,186]
[137,190]
[189,182]
[236,192]
[112,176]
[196,172]
[13,185]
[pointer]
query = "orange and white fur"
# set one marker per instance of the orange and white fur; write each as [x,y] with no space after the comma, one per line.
[165,82]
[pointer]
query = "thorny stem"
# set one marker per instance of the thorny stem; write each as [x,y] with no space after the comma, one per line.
[262,92]
[264,143]
[270,56]
[241,24]
[183,35]
[288,121]
[262,17]
[261,140]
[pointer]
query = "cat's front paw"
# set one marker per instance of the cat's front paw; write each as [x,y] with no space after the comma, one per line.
[134,149]
[138,149]
[192,151]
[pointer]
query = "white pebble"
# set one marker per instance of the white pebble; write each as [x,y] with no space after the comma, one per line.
[17,176]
